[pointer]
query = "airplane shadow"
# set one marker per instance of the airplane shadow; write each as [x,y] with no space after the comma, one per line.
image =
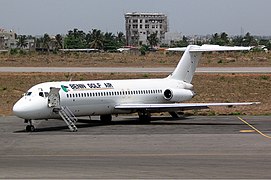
[84,123]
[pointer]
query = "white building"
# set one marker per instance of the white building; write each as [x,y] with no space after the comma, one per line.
[140,25]
[7,39]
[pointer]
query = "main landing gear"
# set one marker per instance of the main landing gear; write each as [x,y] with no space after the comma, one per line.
[30,127]
[106,119]
[144,117]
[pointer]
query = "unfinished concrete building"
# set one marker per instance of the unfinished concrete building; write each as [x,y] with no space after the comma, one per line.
[7,39]
[140,25]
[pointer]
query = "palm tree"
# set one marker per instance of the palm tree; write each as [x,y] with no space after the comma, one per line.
[215,38]
[75,39]
[109,42]
[46,42]
[96,39]
[249,40]
[22,41]
[59,41]
[121,38]
[224,37]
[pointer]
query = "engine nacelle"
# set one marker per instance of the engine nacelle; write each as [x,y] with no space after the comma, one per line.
[178,95]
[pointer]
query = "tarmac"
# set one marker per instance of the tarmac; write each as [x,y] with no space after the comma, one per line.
[195,147]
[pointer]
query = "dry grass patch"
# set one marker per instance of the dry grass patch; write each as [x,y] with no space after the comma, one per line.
[153,59]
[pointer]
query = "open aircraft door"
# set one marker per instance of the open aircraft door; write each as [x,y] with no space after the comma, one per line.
[54,98]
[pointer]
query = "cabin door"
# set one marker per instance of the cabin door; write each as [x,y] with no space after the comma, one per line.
[54,98]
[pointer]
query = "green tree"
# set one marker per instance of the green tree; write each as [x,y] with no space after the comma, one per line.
[143,49]
[121,39]
[95,39]
[224,38]
[75,39]
[220,39]
[46,42]
[153,40]
[237,41]
[249,40]
[110,42]
[59,41]
[22,41]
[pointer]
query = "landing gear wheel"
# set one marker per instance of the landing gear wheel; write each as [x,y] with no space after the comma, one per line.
[106,119]
[144,118]
[30,128]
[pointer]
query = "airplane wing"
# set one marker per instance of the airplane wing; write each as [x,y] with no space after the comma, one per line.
[178,106]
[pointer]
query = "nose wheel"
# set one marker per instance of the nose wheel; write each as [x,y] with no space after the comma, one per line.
[30,127]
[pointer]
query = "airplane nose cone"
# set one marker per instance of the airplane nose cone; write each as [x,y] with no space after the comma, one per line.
[19,109]
[27,108]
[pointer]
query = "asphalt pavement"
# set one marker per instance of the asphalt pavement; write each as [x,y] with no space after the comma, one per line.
[190,147]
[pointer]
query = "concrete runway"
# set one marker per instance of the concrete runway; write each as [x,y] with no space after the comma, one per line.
[136,70]
[191,147]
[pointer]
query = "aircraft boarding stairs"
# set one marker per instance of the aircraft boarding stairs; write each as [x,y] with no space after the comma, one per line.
[65,113]
[67,116]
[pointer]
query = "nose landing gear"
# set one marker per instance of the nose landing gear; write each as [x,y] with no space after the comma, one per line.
[30,127]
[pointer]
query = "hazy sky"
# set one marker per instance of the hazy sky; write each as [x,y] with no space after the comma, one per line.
[187,16]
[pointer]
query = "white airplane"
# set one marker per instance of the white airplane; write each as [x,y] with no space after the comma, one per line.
[71,99]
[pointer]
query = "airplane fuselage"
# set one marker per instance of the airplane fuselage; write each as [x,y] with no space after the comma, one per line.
[88,98]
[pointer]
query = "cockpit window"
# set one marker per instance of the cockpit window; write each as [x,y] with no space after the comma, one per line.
[28,93]
[41,94]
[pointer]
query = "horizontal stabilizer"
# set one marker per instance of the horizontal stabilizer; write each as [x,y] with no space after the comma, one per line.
[208,47]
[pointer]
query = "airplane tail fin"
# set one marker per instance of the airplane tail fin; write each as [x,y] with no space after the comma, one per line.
[187,65]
